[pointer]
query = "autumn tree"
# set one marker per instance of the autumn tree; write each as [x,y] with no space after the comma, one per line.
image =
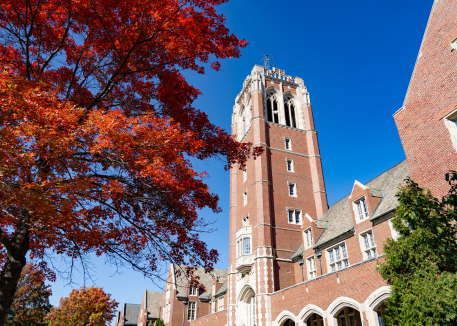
[84,307]
[97,132]
[421,266]
[31,301]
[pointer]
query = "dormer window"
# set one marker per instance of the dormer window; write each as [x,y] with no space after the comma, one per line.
[192,290]
[362,209]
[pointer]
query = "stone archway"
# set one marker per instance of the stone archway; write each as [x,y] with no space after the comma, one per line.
[345,312]
[376,307]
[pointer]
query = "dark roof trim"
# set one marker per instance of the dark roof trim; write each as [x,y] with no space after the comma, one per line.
[386,213]
[217,295]
[338,236]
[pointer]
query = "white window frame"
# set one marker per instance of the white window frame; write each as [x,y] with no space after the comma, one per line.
[191,311]
[241,248]
[192,290]
[308,238]
[294,189]
[344,260]
[245,174]
[247,248]
[287,143]
[245,198]
[294,216]
[368,245]
[291,161]
[450,121]
[361,210]
[311,267]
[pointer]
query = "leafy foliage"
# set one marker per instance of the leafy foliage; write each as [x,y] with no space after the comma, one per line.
[421,265]
[159,322]
[31,301]
[86,306]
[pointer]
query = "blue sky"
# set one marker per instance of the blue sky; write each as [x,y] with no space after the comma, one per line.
[356,58]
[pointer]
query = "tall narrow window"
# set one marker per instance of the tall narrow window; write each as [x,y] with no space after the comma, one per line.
[288,143]
[292,189]
[247,246]
[192,290]
[191,311]
[311,268]
[272,109]
[308,238]
[362,209]
[294,216]
[290,165]
[240,247]
[245,197]
[289,112]
[245,174]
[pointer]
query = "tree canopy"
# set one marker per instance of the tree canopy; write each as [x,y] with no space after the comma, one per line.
[97,132]
[421,265]
[84,307]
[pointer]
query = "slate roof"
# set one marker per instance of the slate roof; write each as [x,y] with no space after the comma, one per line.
[153,302]
[339,215]
[298,252]
[131,313]
[206,279]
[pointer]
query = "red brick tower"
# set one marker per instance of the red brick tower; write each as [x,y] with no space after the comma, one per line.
[270,199]
[427,122]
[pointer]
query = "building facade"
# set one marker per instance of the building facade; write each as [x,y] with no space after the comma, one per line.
[292,259]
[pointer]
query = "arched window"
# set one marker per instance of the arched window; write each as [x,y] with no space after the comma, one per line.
[289,113]
[251,311]
[272,108]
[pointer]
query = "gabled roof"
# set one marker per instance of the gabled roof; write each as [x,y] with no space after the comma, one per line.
[222,289]
[206,279]
[131,313]
[153,302]
[339,215]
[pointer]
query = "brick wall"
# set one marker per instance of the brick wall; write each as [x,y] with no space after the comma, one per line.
[432,94]
[217,319]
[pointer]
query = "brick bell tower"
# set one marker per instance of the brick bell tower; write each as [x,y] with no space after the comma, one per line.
[272,196]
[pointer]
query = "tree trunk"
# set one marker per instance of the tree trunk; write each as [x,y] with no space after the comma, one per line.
[16,246]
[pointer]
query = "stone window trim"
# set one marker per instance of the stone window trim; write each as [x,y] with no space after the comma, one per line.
[290,165]
[191,310]
[245,198]
[292,189]
[308,238]
[360,208]
[243,246]
[368,244]
[311,267]
[294,214]
[337,257]
[450,121]
[287,143]
[395,233]
[192,290]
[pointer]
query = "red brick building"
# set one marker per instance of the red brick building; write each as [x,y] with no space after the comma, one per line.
[292,259]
